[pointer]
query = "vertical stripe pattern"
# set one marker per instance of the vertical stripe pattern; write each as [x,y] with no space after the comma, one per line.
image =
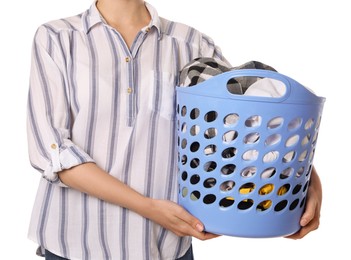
[93,99]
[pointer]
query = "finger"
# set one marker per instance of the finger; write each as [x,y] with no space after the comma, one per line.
[210,235]
[311,226]
[191,220]
[309,213]
[205,236]
[301,233]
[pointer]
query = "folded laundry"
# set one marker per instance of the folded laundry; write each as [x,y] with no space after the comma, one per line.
[201,69]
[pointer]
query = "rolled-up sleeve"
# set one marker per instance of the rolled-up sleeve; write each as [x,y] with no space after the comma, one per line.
[49,115]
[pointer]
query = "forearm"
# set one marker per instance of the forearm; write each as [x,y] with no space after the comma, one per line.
[316,184]
[91,179]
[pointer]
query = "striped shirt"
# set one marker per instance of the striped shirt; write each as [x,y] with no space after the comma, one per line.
[93,99]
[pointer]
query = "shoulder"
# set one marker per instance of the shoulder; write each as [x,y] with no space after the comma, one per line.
[67,24]
[55,31]
[180,31]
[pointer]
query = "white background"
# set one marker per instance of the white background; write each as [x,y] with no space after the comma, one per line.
[306,40]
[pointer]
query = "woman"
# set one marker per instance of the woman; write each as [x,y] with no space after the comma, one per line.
[101,126]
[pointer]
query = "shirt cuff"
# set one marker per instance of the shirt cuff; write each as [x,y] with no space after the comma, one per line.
[64,158]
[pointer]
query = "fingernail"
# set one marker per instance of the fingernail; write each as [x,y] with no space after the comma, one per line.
[199,227]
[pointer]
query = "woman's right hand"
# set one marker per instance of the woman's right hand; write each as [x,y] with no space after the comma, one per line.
[176,219]
[91,179]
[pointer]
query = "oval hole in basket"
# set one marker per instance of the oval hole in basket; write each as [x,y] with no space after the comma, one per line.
[195,195]
[194,113]
[252,138]
[299,172]
[227,186]
[194,130]
[247,188]
[273,139]
[268,173]
[209,199]
[309,124]
[294,204]
[297,189]
[231,119]
[194,146]
[264,205]
[210,166]
[250,155]
[281,205]
[184,192]
[303,156]
[283,189]
[229,153]
[194,179]
[253,121]
[194,163]
[183,128]
[184,159]
[270,156]
[292,140]
[210,149]
[210,133]
[275,122]
[228,169]
[306,139]
[295,123]
[184,175]
[286,173]
[249,171]
[229,136]
[210,182]
[183,143]
[266,189]
[302,204]
[245,204]
[306,186]
[226,202]
[289,156]
[210,116]
[183,111]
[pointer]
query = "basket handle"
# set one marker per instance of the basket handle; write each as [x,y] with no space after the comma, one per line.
[217,87]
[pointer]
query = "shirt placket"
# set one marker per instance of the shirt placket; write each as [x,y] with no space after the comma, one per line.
[131,99]
[132,88]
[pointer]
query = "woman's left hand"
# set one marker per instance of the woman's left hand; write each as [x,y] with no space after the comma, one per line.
[311,217]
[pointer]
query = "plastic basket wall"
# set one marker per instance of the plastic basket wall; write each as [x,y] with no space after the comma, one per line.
[245,162]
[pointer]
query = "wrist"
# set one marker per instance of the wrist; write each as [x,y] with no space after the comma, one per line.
[145,207]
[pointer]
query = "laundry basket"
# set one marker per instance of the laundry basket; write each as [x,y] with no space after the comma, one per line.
[245,162]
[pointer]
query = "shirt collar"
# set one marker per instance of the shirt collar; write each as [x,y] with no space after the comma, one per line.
[155,19]
[92,17]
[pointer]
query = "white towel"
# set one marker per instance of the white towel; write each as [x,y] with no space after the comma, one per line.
[266,87]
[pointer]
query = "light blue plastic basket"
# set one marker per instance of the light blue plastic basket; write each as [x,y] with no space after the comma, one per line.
[245,162]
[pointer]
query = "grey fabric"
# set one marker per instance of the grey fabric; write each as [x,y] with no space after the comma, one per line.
[201,69]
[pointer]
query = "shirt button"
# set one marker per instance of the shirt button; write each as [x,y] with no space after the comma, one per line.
[147,29]
[127,59]
[129,90]
[53,146]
